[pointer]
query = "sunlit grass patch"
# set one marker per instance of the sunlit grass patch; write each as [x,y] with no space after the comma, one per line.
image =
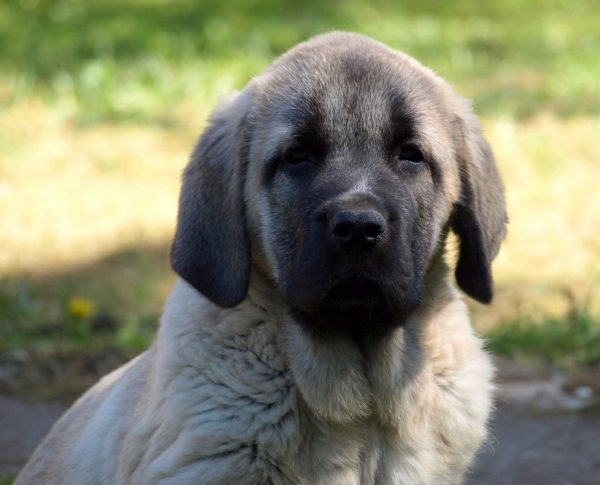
[69,194]
[551,174]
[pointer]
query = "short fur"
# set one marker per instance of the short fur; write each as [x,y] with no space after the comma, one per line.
[315,336]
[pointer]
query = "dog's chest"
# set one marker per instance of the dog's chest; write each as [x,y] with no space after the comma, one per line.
[260,403]
[359,454]
[263,425]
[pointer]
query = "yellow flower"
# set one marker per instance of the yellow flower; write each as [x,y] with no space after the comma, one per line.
[80,307]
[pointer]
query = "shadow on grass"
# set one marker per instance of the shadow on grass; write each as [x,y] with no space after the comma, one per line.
[61,330]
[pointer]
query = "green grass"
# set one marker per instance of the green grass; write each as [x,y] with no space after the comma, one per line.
[121,290]
[567,342]
[133,60]
[100,102]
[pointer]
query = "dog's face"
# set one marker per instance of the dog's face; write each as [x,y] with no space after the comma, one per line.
[339,171]
[348,187]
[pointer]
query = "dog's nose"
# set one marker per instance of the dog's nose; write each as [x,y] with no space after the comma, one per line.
[360,228]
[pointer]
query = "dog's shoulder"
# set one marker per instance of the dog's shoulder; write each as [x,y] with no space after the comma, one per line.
[103,412]
[223,391]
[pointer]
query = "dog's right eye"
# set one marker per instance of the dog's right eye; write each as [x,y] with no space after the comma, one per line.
[297,155]
[411,153]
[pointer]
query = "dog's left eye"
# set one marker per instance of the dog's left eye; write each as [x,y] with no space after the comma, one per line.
[297,155]
[411,153]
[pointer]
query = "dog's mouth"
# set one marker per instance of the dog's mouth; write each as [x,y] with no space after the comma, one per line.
[355,305]
[356,292]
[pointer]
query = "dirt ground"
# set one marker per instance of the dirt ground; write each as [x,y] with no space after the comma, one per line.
[546,431]
[533,448]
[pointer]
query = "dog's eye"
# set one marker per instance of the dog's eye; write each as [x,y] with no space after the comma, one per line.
[297,155]
[411,153]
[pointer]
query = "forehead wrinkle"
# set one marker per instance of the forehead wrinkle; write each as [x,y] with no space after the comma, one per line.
[433,140]
[430,130]
[354,111]
[271,139]
[288,115]
[351,101]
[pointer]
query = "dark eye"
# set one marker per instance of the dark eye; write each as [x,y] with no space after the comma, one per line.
[411,153]
[297,155]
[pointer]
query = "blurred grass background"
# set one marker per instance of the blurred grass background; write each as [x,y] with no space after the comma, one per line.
[101,102]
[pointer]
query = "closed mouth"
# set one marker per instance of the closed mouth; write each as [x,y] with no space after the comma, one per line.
[356,292]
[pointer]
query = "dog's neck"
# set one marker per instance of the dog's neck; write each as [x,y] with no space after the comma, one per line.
[337,379]
[345,378]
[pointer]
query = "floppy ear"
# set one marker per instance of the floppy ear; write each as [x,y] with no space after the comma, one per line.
[479,218]
[211,250]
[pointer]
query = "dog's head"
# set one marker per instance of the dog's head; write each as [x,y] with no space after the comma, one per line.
[339,172]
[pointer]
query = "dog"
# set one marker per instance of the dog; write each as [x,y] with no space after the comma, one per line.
[315,335]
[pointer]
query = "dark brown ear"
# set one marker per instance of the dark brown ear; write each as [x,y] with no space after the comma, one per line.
[479,218]
[211,250]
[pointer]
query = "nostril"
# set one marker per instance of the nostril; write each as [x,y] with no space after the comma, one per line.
[374,231]
[343,230]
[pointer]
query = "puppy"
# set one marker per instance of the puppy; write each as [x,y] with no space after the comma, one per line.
[315,336]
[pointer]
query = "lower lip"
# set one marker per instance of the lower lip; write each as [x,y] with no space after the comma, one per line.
[356,292]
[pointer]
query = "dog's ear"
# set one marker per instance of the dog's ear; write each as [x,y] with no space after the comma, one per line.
[211,250]
[479,218]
